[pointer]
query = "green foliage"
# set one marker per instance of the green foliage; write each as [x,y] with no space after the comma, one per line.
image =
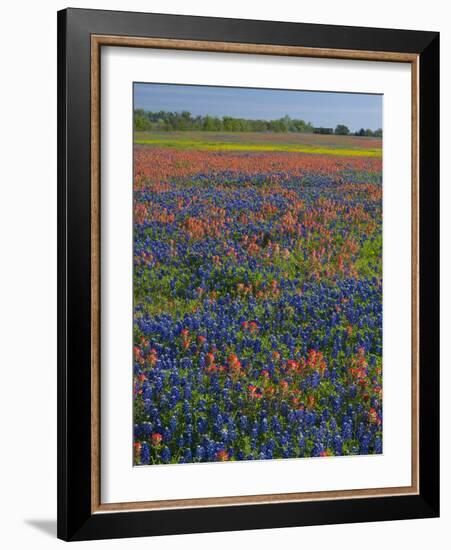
[369,133]
[341,130]
[368,264]
[172,121]
[140,121]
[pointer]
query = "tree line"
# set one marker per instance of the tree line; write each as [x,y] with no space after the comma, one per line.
[167,121]
[173,121]
[342,130]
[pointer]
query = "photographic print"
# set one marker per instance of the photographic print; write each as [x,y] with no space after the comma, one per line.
[248,274]
[257,274]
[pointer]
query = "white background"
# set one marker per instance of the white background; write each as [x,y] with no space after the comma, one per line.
[120,482]
[28,275]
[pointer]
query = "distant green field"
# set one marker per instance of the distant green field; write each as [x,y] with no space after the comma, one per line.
[243,141]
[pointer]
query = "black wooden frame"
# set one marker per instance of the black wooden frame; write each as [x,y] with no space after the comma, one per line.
[75,520]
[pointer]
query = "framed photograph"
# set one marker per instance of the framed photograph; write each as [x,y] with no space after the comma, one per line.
[248,274]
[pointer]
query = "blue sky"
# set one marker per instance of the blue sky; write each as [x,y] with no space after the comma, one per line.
[320,108]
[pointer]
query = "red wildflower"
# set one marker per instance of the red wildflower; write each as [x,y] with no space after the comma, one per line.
[156,439]
[153,357]
[253,326]
[254,392]
[138,354]
[222,456]
[234,363]
[137,447]
[373,416]
[292,365]
[284,385]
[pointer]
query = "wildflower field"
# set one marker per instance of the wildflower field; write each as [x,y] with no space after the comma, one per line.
[257,297]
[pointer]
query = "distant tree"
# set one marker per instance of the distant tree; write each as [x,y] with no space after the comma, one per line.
[227,123]
[140,121]
[208,124]
[369,133]
[361,132]
[322,130]
[378,132]
[185,121]
[341,130]
[286,124]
